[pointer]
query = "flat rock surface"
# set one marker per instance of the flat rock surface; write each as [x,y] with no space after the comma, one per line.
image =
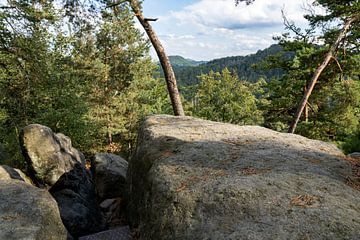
[28,213]
[197,179]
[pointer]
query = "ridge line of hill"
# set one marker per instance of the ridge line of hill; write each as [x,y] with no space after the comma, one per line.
[187,70]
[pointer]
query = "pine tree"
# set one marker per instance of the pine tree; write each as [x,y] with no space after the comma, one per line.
[331,112]
[222,97]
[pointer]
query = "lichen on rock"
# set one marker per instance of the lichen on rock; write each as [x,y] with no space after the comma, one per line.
[196,179]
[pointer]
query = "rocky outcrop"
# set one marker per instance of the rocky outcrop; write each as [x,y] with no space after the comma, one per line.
[109,174]
[27,212]
[75,195]
[47,154]
[196,179]
[354,155]
[7,173]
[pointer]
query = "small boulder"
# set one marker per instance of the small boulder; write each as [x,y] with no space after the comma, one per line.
[354,155]
[109,174]
[7,173]
[75,195]
[48,155]
[27,212]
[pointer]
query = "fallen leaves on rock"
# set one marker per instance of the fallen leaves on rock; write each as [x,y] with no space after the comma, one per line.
[8,218]
[313,160]
[87,165]
[253,171]
[202,177]
[353,180]
[304,201]
[167,153]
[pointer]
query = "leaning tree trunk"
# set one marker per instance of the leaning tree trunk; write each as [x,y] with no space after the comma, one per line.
[163,58]
[330,54]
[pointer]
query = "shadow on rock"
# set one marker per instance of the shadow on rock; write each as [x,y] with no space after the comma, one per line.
[196,179]
[75,195]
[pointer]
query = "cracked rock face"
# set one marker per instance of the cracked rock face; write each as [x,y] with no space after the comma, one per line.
[48,155]
[196,179]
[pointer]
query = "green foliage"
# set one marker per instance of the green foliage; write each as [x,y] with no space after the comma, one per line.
[333,108]
[179,61]
[243,66]
[85,74]
[24,57]
[84,69]
[222,97]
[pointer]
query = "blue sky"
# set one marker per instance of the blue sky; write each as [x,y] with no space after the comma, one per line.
[208,29]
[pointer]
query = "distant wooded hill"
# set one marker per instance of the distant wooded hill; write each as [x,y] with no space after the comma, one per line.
[179,61]
[187,70]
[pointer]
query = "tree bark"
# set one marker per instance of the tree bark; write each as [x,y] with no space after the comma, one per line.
[306,110]
[163,58]
[330,54]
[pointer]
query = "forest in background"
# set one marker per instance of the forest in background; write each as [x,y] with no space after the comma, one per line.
[85,70]
[245,67]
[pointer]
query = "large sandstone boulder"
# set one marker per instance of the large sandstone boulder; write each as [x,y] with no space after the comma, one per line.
[48,155]
[7,173]
[197,179]
[75,195]
[28,213]
[109,174]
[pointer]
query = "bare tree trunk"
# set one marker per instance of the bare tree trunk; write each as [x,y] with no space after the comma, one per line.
[163,58]
[306,110]
[330,54]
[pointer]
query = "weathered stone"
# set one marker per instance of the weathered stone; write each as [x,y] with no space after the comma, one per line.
[7,173]
[109,174]
[48,155]
[113,211]
[27,212]
[354,155]
[75,195]
[121,233]
[197,179]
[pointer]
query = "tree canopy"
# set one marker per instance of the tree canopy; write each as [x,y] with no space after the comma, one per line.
[84,69]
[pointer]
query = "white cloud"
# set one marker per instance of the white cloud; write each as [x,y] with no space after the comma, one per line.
[209,29]
[224,14]
[214,45]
